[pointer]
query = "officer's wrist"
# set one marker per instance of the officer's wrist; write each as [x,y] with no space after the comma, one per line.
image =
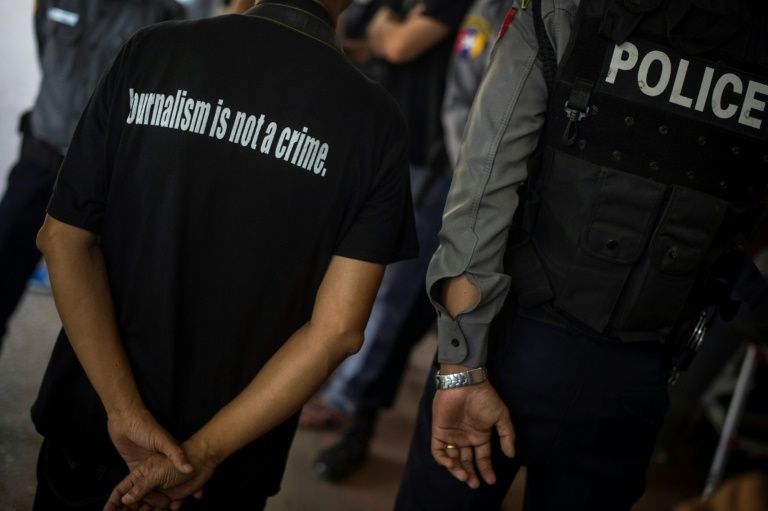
[453,368]
[459,379]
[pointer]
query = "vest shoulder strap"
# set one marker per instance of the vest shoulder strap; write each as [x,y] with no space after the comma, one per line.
[297,19]
[546,51]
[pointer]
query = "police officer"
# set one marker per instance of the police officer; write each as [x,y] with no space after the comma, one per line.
[651,137]
[215,240]
[378,375]
[76,42]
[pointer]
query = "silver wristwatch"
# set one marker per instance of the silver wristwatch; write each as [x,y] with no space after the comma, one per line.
[462,379]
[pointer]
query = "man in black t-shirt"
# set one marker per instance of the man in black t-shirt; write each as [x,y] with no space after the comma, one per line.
[215,240]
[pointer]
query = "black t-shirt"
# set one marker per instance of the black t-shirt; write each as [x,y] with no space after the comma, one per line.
[419,85]
[223,162]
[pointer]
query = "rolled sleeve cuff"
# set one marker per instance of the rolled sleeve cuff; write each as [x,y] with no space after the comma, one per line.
[463,340]
[452,344]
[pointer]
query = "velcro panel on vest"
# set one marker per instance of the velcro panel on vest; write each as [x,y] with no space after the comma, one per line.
[660,285]
[621,223]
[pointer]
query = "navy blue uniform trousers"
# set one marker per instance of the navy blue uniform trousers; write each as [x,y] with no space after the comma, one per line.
[586,414]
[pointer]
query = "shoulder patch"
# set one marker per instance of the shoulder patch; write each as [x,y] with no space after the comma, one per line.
[473,37]
[507,20]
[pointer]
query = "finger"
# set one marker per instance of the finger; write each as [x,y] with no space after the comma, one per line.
[439,454]
[467,463]
[122,488]
[175,453]
[452,452]
[506,432]
[453,466]
[138,484]
[176,505]
[198,494]
[459,473]
[483,463]
[183,490]
[113,502]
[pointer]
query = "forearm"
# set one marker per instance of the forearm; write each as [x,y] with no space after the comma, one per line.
[81,292]
[288,379]
[399,41]
[281,387]
[381,32]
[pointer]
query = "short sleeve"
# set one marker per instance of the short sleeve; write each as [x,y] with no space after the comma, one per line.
[383,230]
[448,12]
[81,188]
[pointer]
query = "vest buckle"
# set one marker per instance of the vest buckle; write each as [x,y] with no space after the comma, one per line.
[574,116]
[577,108]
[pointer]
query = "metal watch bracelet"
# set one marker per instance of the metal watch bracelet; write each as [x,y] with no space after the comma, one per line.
[461,379]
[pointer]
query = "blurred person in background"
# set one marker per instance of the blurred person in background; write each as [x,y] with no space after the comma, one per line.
[352,27]
[239,6]
[197,9]
[76,40]
[416,40]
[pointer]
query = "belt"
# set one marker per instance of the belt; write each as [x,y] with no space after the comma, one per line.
[35,150]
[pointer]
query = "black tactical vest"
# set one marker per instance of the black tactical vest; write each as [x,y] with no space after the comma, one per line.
[654,155]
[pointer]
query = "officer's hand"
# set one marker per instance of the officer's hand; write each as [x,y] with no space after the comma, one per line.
[464,418]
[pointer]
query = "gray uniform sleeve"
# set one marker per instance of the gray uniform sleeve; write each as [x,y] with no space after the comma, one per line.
[502,133]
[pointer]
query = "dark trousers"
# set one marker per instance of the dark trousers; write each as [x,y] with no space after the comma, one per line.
[68,480]
[22,211]
[586,413]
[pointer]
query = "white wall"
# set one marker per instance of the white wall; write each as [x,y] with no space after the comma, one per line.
[19,75]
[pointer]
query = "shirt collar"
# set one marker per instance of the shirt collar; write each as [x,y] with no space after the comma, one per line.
[307,5]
